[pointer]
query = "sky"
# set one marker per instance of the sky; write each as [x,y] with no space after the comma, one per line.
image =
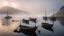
[35,7]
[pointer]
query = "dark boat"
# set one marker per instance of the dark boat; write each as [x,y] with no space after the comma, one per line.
[45,17]
[47,26]
[25,21]
[33,20]
[30,31]
[7,18]
[15,20]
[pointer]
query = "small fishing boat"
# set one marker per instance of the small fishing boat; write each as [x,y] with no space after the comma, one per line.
[26,30]
[33,20]
[47,26]
[45,17]
[7,19]
[25,21]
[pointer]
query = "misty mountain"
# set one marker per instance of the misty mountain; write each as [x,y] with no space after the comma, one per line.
[60,13]
[11,10]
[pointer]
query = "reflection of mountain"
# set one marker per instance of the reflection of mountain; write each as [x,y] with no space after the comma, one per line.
[60,13]
[62,22]
[11,10]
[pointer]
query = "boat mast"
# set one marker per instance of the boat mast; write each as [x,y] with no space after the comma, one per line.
[45,12]
[45,15]
[7,19]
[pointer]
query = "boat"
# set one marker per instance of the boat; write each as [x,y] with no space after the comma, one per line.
[25,21]
[45,17]
[7,18]
[33,20]
[47,26]
[30,31]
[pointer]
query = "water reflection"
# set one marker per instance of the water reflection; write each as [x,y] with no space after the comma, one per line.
[45,30]
[61,21]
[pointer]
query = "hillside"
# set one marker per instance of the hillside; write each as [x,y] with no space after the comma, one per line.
[60,13]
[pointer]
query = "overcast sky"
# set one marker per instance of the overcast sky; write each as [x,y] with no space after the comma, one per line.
[35,6]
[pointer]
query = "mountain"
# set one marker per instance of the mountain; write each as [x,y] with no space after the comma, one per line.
[11,10]
[60,13]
